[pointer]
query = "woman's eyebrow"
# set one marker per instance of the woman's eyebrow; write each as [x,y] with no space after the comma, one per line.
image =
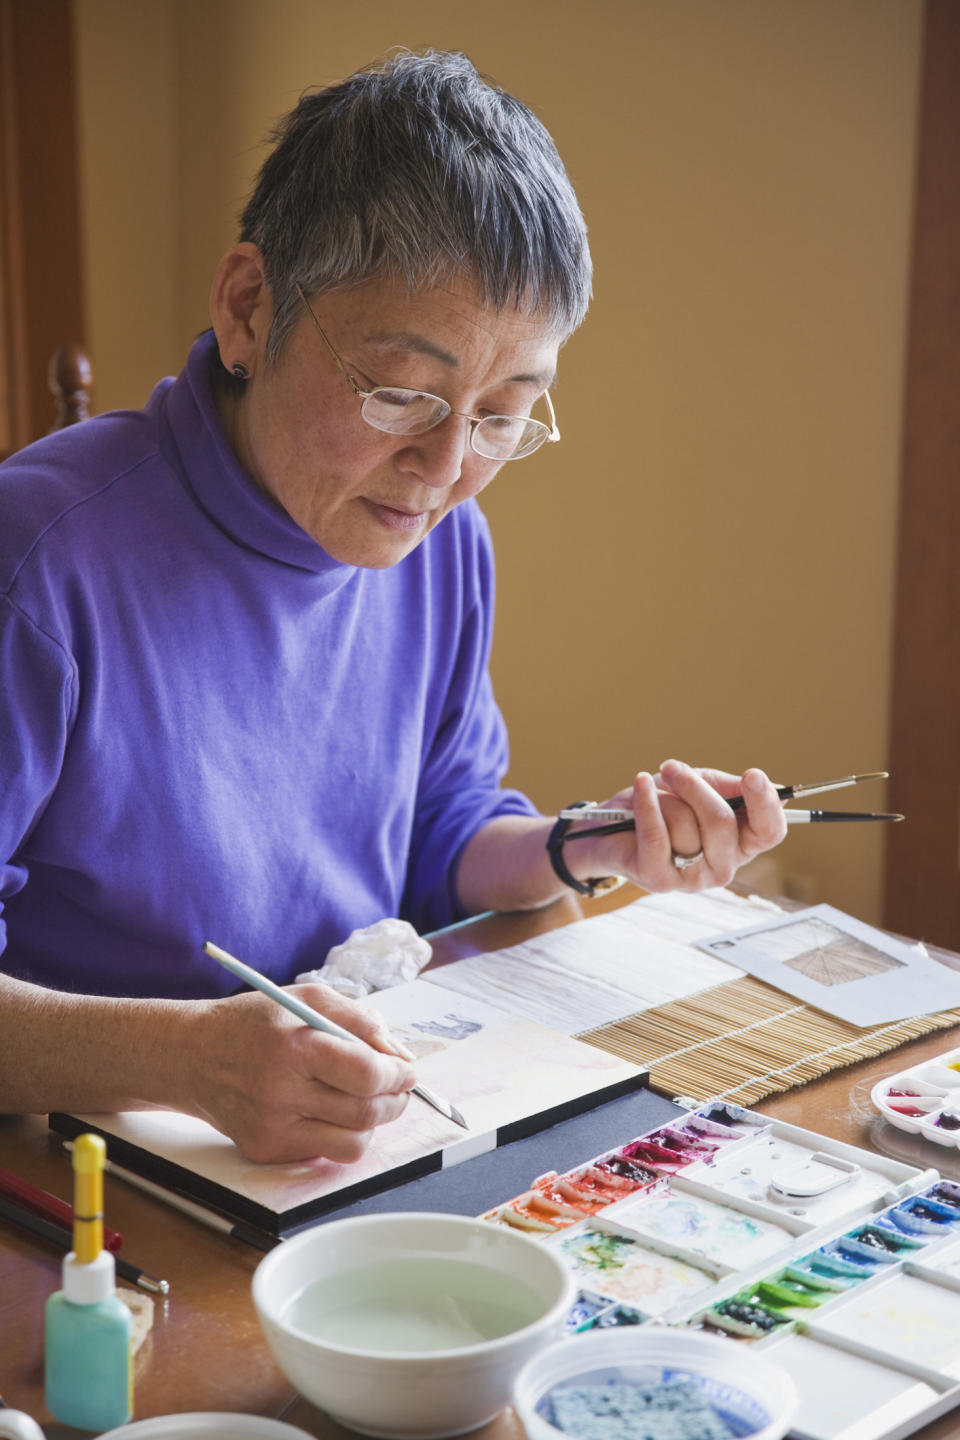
[411,340]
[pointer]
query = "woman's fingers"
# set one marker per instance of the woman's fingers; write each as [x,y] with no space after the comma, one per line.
[360,1020]
[278,1087]
[699,821]
[703,822]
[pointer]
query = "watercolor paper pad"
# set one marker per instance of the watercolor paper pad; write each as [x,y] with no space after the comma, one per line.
[506,1079]
[844,1396]
[840,965]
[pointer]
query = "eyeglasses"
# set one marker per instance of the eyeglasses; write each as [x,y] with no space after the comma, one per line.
[412,412]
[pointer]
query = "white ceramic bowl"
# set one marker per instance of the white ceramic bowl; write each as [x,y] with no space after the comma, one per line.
[373,1369]
[754,1396]
[207,1425]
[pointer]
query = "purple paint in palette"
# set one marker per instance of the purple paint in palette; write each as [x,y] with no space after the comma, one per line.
[670,1149]
[711,1129]
[657,1155]
[734,1117]
[632,1170]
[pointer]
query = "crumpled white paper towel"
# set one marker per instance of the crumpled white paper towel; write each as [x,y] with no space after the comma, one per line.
[374,958]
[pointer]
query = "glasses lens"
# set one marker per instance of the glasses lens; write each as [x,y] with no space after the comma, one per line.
[403,412]
[508,437]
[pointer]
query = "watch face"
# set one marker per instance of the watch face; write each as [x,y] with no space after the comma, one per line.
[609,882]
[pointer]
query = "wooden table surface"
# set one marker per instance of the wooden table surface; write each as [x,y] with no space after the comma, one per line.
[206,1350]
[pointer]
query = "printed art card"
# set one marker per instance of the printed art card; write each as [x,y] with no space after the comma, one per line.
[841,965]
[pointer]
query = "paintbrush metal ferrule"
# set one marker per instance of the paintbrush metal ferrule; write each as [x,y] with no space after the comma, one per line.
[819,785]
[831,817]
[314,1019]
[449,1111]
[135,1276]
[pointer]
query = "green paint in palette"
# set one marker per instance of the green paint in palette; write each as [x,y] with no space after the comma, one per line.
[414,1306]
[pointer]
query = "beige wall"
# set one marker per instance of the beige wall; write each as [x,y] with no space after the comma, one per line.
[704,566]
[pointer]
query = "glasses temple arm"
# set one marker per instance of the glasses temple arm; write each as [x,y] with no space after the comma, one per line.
[333,354]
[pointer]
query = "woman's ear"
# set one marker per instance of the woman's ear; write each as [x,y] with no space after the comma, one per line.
[240,308]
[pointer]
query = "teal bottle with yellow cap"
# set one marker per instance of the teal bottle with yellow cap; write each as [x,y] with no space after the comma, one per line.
[87,1362]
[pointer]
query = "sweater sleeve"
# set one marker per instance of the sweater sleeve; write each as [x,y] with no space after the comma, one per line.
[37,704]
[465,761]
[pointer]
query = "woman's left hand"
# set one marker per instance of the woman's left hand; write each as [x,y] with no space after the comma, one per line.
[686,836]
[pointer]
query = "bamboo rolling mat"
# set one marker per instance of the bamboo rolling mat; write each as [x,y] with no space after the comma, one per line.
[744,1040]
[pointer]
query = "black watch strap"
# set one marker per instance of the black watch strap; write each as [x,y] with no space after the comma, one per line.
[598,885]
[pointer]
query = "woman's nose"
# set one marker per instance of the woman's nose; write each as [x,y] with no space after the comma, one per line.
[437,454]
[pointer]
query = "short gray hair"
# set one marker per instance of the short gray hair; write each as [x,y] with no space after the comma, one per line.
[417,169]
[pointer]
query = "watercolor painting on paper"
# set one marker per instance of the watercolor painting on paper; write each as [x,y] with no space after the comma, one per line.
[838,964]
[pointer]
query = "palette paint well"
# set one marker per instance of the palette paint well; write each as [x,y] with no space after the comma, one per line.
[910,1318]
[844,1396]
[618,1266]
[716,1231]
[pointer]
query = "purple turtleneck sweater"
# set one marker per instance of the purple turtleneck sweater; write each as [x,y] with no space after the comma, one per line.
[209,729]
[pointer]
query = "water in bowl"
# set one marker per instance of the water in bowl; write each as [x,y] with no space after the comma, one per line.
[413,1305]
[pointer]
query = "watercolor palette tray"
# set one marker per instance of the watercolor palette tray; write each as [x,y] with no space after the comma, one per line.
[816,1252]
[925,1099]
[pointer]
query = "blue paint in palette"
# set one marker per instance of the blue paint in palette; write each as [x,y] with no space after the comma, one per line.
[584,1311]
[875,1245]
[829,1260]
[923,1215]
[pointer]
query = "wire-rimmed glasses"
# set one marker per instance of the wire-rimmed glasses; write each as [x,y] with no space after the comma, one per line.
[397,411]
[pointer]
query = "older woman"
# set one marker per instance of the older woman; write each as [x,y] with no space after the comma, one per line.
[245,632]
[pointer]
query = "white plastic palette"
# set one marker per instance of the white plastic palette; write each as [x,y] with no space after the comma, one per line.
[852,1258]
[925,1099]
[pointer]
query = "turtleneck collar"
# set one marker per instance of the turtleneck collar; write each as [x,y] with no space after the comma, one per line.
[221,485]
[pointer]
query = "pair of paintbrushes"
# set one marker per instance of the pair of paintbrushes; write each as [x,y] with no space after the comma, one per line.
[623,819]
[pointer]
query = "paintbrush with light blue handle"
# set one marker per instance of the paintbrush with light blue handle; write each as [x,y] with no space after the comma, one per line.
[315,1020]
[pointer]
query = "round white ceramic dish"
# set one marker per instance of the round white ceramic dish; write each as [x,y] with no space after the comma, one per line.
[755,1397]
[413,1394]
[207,1425]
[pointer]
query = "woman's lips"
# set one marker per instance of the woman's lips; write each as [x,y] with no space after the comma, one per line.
[403,521]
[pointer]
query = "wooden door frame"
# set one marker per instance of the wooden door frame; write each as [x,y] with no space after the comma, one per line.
[922,893]
[41,267]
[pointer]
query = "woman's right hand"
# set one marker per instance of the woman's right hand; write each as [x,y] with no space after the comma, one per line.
[283,1091]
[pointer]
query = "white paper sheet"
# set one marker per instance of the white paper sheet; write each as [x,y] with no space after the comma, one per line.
[598,970]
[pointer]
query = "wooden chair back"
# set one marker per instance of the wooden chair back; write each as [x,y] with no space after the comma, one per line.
[70,376]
